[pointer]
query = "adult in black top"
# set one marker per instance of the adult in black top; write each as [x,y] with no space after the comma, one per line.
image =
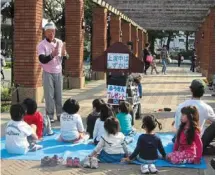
[145,54]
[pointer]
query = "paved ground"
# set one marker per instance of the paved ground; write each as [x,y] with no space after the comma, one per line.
[159,91]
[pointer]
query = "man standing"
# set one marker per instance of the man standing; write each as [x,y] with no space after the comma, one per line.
[49,51]
[164,56]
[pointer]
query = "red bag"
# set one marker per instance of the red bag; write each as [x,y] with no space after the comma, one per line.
[149,59]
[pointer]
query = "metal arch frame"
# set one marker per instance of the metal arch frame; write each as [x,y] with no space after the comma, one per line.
[117,12]
[165,14]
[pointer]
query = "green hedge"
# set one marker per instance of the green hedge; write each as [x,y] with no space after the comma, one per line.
[5,94]
[5,99]
[8,64]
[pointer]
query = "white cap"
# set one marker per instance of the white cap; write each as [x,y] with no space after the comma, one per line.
[49,25]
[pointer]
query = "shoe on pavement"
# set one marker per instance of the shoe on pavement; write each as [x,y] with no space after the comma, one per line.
[45,161]
[52,120]
[69,162]
[94,163]
[87,162]
[76,162]
[144,169]
[56,160]
[152,169]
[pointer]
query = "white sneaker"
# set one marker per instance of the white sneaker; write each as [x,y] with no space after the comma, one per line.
[144,169]
[94,163]
[86,162]
[36,147]
[153,169]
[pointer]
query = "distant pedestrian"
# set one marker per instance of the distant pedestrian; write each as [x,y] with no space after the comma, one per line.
[193,61]
[3,64]
[164,57]
[146,53]
[179,59]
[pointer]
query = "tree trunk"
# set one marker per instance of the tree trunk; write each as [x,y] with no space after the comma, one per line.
[168,40]
[152,46]
[187,36]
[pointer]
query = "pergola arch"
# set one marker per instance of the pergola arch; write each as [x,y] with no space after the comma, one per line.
[135,15]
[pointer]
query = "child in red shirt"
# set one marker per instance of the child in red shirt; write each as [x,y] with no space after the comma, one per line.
[34,117]
[188,144]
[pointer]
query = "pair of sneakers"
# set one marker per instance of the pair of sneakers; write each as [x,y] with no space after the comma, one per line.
[146,169]
[75,163]
[51,161]
[90,162]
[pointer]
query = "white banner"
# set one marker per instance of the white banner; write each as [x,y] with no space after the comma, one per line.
[117,61]
[116,92]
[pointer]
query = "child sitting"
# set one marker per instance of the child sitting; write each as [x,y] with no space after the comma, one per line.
[99,130]
[71,126]
[154,66]
[91,119]
[147,146]
[188,144]
[125,119]
[18,132]
[112,147]
[34,117]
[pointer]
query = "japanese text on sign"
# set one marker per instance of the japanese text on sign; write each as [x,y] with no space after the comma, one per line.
[116,92]
[117,61]
[136,95]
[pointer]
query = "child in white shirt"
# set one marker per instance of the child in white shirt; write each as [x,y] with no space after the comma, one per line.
[71,126]
[99,130]
[19,133]
[111,147]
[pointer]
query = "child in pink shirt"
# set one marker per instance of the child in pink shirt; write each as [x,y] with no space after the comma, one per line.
[188,144]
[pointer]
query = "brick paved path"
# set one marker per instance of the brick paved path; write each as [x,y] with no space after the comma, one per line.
[159,91]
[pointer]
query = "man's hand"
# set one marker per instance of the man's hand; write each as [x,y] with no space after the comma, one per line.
[55,52]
